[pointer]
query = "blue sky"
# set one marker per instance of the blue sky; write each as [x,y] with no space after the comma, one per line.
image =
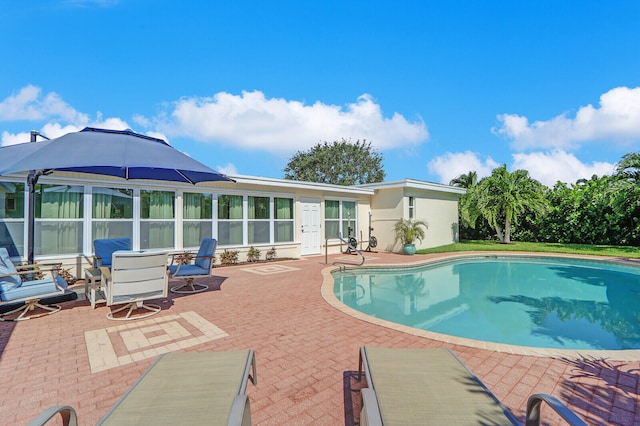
[438,87]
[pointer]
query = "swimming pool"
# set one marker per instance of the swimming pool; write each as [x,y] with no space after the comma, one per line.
[542,302]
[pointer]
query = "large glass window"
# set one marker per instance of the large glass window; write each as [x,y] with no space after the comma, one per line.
[283,224]
[349,228]
[259,218]
[196,218]
[230,220]
[157,219]
[59,224]
[12,217]
[340,216]
[331,219]
[112,213]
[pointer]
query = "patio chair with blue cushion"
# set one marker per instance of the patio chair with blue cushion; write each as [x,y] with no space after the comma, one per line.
[29,298]
[104,248]
[135,277]
[419,386]
[202,266]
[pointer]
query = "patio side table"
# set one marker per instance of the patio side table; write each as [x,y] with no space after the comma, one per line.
[92,289]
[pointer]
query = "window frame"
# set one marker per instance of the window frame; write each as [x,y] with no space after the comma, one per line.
[341,220]
[149,220]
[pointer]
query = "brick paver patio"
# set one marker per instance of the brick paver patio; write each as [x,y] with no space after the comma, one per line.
[305,349]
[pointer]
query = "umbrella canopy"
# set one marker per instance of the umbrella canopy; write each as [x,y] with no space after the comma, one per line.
[120,153]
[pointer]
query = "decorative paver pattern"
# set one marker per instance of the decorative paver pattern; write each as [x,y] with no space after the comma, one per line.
[143,339]
[270,269]
[306,352]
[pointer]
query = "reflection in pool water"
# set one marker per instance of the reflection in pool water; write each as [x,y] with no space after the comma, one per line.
[540,302]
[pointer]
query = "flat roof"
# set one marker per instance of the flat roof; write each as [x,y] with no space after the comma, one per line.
[416,184]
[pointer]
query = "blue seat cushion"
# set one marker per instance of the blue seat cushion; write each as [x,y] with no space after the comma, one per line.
[8,283]
[187,270]
[104,249]
[207,248]
[30,289]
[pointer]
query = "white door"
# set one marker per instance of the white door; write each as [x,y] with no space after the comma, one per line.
[310,232]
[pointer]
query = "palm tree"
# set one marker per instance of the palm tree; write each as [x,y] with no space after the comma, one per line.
[465,181]
[501,198]
[624,191]
[629,167]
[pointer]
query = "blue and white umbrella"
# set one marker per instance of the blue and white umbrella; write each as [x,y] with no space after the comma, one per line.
[120,153]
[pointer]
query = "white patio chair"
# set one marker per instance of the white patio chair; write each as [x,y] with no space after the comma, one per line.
[135,277]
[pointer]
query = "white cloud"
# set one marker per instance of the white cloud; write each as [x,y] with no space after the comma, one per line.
[558,165]
[617,119]
[55,130]
[452,165]
[157,135]
[253,121]
[30,104]
[13,138]
[227,169]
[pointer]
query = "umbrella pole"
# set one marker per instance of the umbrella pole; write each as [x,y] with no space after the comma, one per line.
[32,180]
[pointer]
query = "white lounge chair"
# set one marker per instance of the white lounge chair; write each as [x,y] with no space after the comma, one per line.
[135,277]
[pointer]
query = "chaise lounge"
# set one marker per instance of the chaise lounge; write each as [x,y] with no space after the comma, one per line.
[189,388]
[415,386]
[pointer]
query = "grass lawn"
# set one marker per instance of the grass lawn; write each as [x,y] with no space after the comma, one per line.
[477,245]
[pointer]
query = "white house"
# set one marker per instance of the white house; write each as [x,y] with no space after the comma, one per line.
[297,218]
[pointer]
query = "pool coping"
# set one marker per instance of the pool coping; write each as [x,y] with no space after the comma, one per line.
[331,299]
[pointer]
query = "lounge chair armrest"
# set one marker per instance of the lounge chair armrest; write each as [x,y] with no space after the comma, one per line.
[174,256]
[370,413]
[240,414]
[533,410]
[68,414]
[105,272]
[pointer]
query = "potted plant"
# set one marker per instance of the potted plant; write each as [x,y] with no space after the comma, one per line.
[185,258]
[407,232]
[270,254]
[253,255]
[229,257]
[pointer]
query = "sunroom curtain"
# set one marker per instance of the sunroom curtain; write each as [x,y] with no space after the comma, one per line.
[102,206]
[283,208]
[161,205]
[192,204]
[60,202]
[283,223]
[331,210]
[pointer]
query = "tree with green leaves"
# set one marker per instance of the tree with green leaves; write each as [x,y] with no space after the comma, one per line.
[339,163]
[625,196]
[468,231]
[465,181]
[501,198]
[629,167]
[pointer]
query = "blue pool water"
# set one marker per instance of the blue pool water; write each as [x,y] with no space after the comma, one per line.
[540,302]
